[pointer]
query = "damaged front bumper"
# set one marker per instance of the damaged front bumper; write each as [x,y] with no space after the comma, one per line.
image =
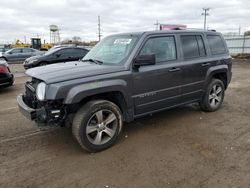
[40,115]
[28,112]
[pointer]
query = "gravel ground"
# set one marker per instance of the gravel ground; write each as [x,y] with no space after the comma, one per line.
[182,147]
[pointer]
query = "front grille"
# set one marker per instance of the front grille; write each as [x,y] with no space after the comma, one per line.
[30,95]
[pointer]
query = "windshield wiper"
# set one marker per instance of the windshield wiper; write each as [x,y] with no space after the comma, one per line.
[93,61]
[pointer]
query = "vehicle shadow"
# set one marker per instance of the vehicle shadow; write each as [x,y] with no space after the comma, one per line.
[7,90]
[166,119]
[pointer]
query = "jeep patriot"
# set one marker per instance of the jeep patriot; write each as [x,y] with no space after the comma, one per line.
[127,76]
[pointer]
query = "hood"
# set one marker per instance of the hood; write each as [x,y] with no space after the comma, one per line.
[71,70]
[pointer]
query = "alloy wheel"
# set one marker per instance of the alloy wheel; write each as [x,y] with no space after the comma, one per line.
[215,96]
[101,127]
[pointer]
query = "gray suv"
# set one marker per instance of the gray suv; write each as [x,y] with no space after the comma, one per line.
[127,76]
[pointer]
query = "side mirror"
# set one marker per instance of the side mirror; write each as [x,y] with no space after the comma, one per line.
[141,60]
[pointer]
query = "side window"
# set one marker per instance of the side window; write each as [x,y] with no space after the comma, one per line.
[79,52]
[163,48]
[15,51]
[27,50]
[65,52]
[192,46]
[216,44]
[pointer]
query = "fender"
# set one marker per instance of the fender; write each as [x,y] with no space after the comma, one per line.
[79,92]
[216,70]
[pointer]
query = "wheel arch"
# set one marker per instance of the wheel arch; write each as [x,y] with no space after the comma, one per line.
[5,58]
[219,72]
[116,93]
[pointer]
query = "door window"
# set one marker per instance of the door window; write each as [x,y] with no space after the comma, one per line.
[66,52]
[192,46]
[27,50]
[164,48]
[78,52]
[16,51]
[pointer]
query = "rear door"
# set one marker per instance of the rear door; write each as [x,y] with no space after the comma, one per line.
[27,52]
[157,86]
[194,66]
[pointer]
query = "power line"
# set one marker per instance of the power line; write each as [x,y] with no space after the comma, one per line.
[205,14]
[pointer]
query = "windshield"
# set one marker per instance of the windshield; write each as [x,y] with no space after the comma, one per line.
[8,51]
[112,50]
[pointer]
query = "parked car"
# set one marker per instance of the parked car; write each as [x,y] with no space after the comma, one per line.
[127,76]
[56,55]
[19,54]
[6,77]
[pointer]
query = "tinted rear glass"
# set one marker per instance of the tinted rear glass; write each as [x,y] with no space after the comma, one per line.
[190,46]
[216,44]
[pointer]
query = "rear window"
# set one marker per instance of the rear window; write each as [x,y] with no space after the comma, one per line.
[216,44]
[192,46]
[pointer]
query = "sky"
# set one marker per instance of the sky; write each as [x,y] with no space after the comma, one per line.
[31,18]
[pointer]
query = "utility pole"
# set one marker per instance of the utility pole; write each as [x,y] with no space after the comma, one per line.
[99,28]
[239,30]
[157,25]
[205,14]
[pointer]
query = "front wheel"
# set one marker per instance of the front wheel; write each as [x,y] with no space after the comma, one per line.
[213,96]
[97,125]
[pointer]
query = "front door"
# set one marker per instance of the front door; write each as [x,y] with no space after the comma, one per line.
[158,86]
[15,54]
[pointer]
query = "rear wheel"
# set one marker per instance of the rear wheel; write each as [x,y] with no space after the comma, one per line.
[97,125]
[214,96]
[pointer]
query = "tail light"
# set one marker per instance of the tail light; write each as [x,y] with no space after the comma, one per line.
[3,69]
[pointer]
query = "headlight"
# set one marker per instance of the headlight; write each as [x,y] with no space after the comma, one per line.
[40,91]
[31,61]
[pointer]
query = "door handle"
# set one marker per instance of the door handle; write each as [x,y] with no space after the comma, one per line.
[174,69]
[205,64]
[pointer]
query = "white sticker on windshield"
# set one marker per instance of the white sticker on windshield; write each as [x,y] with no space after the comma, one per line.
[122,41]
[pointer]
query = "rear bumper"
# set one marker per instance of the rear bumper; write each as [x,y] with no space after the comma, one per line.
[28,112]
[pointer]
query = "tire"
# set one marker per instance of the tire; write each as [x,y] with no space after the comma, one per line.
[214,96]
[100,134]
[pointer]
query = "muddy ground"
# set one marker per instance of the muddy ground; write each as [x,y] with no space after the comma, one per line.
[182,147]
